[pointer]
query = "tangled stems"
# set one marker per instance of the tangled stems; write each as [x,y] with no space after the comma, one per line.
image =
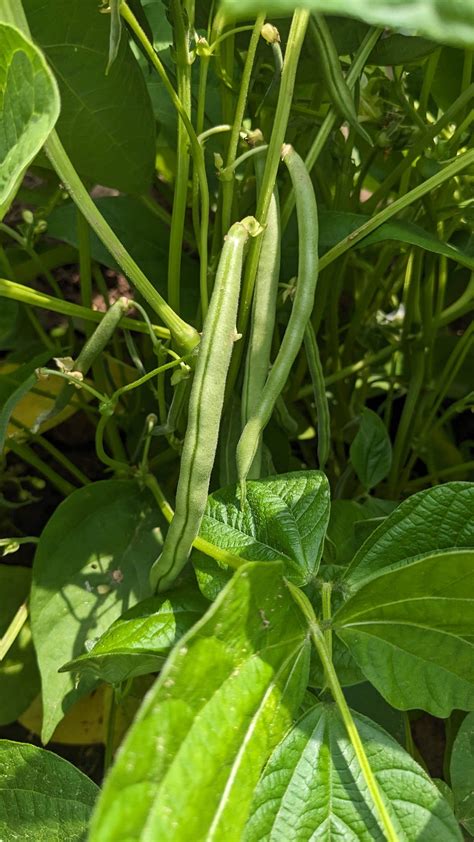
[196,148]
[294,45]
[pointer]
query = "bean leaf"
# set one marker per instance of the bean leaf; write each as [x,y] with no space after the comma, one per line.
[106,122]
[435,519]
[190,762]
[371,450]
[29,108]
[42,796]
[92,563]
[442,20]
[462,773]
[312,787]
[138,642]
[407,631]
[284,517]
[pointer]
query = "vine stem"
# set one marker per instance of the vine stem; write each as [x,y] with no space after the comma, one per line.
[183,64]
[26,295]
[228,186]
[299,25]
[329,121]
[452,169]
[196,148]
[317,637]
[185,335]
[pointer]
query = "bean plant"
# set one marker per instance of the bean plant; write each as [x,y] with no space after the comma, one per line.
[236,489]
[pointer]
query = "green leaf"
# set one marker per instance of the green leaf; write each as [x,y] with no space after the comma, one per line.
[190,762]
[142,234]
[442,20]
[29,108]
[106,123]
[19,678]
[435,519]
[42,796]
[365,699]
[284,517]
[407,631]
[312,788]
[137,643]
[462,773]
[337,225]
[92,563]
[394,48]
[371,450]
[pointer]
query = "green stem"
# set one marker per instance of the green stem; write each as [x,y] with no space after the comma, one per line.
[13,630]
[115,464]
[329,122]
[197,154]
[443,473]
[327,614]
[228,186]
[452,169]
[19,292]
[85,266]
[294,45]
[419,146]
[181,40]
[217,553]
[54,452]
[29,456]
[350,370]
[333,683]
[185,335]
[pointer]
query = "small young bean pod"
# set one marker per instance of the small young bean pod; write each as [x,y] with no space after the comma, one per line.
[338,88]
[257,361]
[308,261]
[205,407]
[88,354]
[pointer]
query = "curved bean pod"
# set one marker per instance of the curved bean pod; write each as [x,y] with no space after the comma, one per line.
[205,407]
[257,362]
[338,88]
[308,261]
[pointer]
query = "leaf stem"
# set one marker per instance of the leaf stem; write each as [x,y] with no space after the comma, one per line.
[196,148]
[217,553]
[333,683]
[452,169]
[329,121]
[26,295]
[185,335]
[228,186]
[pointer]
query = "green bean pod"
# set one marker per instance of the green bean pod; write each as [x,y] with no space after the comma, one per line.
[257,362]
[205,407]
[88,354]
[320,397]
[338,88]
[308,262]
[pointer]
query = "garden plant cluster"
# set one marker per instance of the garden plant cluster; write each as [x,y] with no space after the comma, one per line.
[236,420]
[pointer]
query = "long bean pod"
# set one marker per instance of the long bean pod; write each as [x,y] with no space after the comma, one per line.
[91,351]
[337,86]
[257,362]
[307,216]
[205,407]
